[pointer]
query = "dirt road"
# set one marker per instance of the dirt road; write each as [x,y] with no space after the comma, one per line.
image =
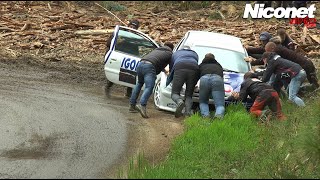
[57,123]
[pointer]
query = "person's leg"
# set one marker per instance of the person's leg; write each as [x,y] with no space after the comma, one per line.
[204,94]
[138,86]
[177,83]
[128,92]
[258,106]
[149,80]
[311,74]
[294,87]
[108,86]
[179,78]
[277,84]
[218,96]
[275,105]
[192,79]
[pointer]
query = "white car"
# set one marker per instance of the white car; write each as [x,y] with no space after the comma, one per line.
[121,62]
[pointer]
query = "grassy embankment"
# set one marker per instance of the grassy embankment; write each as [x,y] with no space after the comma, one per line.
[240,147]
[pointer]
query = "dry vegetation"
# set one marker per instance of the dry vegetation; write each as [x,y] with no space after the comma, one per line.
[53,30]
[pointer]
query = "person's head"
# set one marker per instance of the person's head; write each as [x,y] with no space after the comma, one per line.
[264,38]
[282,34]
[209,55]
[209,58]
[276,40]
[169,44]
[270,47]
[134,24]
[266,56]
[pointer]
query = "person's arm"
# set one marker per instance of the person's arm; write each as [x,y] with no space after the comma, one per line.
[255,50]
[256,62]
[243,94]
[268,72]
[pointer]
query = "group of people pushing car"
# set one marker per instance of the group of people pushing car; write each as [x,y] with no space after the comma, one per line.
[284,68]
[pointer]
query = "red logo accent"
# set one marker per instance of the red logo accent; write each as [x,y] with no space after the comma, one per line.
[308,22]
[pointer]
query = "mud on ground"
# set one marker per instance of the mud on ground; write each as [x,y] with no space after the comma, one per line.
[152,136]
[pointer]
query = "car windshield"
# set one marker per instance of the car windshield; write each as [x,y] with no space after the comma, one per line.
[134,44]
[229,60]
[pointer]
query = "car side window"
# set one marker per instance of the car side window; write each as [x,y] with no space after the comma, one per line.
[134,44]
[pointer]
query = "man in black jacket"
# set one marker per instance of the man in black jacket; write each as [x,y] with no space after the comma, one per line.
[211,84]
[304,62]
[262,94]
[147,70]
[286,69]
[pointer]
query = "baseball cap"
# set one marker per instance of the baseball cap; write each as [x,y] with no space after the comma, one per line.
[265,36]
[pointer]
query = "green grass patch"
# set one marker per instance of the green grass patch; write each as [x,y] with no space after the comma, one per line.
[240,147]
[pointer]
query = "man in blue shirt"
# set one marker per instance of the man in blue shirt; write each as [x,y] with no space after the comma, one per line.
[184,68]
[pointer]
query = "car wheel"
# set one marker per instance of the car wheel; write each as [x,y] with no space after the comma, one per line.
[157,95]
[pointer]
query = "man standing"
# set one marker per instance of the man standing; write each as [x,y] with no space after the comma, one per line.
[184,68]
[286,69]
[147,70]
[134,24]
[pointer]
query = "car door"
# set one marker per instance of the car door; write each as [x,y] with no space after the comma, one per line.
[127,47]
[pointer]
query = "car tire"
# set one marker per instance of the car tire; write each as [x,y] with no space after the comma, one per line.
[157,95]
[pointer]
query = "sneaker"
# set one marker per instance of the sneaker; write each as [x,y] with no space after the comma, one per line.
[179,109]
[133,108]
[265,116]
[142,110]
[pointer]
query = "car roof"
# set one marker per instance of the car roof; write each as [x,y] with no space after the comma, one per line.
[204,38]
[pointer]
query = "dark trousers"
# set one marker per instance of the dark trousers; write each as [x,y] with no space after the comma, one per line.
[308,66]
[270,98]
[181,76]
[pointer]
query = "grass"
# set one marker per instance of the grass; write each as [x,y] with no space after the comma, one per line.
[240,147]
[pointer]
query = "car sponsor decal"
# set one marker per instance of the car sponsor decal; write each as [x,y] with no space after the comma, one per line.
[234,81]
[129,64]
[128,69]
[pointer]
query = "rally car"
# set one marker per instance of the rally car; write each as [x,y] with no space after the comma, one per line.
[128,46]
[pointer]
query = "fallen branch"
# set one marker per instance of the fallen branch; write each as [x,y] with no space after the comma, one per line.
[94,31]
[6,29]
[25,27]
[222,16]
[315,38]
[111,13]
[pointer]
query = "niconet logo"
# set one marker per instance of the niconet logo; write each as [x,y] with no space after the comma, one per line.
[260,12]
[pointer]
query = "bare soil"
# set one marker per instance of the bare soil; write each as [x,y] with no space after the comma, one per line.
[152,136]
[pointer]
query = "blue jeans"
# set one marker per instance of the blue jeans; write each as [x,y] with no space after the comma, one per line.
[146,73]
[294,87]
[212,84]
